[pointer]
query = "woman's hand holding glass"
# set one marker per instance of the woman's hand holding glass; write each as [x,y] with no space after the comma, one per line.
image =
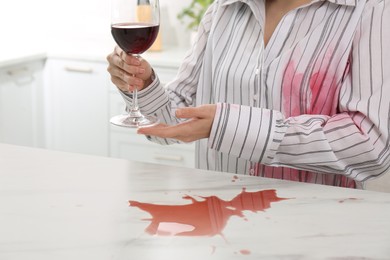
[128,72]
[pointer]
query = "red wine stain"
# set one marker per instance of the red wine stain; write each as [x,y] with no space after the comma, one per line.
[245,252]
[235,178]
[205,217]
[347,199]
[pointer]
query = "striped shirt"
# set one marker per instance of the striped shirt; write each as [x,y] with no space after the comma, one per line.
[311,106]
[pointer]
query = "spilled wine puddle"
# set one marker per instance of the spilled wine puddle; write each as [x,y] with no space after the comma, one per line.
[205,217]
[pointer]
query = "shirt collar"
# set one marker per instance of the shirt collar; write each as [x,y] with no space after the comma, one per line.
[338,2]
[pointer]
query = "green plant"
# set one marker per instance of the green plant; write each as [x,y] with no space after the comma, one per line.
[193,13]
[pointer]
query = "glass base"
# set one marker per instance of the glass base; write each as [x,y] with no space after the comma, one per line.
[134,121]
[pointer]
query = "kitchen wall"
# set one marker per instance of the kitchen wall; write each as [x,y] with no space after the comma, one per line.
[21,22]
[91,19]
[26,22]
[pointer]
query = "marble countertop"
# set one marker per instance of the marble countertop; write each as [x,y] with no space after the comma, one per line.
[57,205]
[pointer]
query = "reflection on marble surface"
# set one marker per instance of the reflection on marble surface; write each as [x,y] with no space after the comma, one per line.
[67,206]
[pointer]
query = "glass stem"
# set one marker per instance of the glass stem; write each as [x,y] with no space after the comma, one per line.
[134,110]
[134,106]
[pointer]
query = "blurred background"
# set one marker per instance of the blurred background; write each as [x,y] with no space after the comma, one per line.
[30,23]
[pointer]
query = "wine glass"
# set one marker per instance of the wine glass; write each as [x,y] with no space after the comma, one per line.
[134,27]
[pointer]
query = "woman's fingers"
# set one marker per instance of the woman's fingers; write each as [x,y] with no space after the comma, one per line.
[197,127]
[124,71]
[120,84]
[179,132]
[127,58]
[130,80]
[160,130]
[203,111]
[127,71]
[130,68]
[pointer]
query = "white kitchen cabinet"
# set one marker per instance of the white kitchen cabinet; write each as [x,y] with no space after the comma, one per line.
[77,106]
[126,144]
[79,103]
[135,147]
[21,104]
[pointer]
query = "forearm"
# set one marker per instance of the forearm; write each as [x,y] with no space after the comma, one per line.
[309,142]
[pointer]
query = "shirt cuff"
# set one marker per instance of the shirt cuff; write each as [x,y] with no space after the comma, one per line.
[247,132]
[150,99]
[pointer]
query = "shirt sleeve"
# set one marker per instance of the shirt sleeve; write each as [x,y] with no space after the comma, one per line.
[354,142]
[162,101]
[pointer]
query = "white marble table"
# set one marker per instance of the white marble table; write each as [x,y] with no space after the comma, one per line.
[60,206]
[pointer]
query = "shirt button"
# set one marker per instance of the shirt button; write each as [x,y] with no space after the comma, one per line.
[257,71]
[256,97]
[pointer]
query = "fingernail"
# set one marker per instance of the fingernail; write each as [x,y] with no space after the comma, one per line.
[139,131]
[141,70]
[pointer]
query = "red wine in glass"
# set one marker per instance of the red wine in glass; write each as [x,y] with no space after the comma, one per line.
[134,38]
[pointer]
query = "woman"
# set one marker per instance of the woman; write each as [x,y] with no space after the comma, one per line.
[296,90]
